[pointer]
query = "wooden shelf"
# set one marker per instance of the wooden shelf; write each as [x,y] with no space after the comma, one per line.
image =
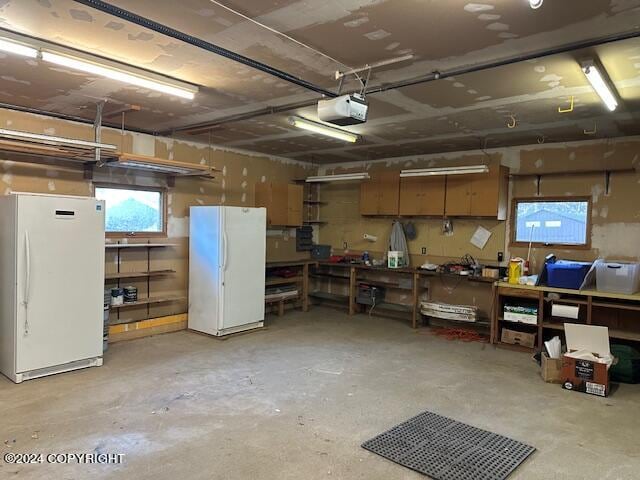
[570,301]
[396,307]
[613,333]
[152,273]
[314,202]
[149,301]
[329,275]
[515,322]
[617,306]
[329,296]
[283,281]
[139,245]
[282,299]
[314,222]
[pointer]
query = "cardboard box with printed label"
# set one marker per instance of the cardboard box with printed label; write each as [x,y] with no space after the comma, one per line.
[585,366]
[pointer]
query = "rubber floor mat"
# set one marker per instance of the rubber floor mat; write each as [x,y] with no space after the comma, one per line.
[445,449]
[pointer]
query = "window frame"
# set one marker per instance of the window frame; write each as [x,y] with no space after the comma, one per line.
[163,208]
[567,246]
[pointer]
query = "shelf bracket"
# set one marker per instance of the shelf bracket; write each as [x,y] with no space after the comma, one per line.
[97,129]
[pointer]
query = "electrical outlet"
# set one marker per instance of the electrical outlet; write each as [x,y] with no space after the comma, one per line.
[424,250]
[344,245]
[500,256]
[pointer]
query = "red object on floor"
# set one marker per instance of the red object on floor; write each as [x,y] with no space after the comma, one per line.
[459,334]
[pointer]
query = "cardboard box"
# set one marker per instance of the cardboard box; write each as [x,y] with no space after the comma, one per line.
[551,369]
[581,374]
[518,338]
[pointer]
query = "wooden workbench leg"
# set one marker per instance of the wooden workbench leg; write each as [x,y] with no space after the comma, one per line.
[305,287]
[540,321]
[589,309]
[493,315]
[352,291]
[281,308]
[416,307]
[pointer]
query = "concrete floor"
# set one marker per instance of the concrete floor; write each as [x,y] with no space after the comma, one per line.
[296,400]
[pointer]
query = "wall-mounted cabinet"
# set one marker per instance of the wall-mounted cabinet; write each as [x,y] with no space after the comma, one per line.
[422,196]
[380,194]
[478,195]
[283,202]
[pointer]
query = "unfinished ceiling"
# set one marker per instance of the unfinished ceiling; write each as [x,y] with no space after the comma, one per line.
[465,112]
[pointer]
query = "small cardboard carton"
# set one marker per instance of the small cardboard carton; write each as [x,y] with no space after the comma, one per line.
[585,366]
[551,369]
[518,338]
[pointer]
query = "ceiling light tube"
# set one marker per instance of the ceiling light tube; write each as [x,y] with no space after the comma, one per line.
[535,4]
[600,85]
[9,46]
[120,74]
[315,127]
[337,178]
[439,171]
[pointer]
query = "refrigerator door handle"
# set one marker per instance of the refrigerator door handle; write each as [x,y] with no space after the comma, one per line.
[27,281]
[224,252]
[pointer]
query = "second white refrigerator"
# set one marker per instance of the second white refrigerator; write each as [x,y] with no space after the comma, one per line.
[227,252]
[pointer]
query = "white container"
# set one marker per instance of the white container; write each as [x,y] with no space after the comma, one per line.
[395,259]
[618,277]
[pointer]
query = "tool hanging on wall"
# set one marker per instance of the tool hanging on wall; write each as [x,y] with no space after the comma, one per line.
[592,132]
[513,123]
[570,108]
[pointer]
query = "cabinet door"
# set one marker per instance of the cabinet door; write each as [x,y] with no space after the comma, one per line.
[273,196]
[410,196]
[458,202]
[432,196]
[389,193]
[422,196]
[294,199]
[369,197]
[488,193]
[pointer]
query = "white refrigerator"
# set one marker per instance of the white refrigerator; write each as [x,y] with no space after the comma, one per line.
[226,269]
[51,284]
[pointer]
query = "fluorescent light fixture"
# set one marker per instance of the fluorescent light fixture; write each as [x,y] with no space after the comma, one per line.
[535,4]
[119,74]
[159,165]
[439,171]
[344,177]
[17,48]
[315,127]
[599,84]
[53,140]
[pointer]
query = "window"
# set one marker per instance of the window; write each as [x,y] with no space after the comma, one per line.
[552,222]
[133,211]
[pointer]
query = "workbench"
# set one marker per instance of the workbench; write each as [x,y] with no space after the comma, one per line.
[301,280]
[619,312]
[408,279]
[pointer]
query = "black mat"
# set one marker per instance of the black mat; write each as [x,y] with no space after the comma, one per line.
[445,449]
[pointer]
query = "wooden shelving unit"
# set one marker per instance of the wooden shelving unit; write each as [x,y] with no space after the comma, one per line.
[618,312]
[116,277]
[300,280]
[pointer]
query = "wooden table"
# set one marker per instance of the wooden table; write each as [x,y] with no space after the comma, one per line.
[301,279]
[354,275]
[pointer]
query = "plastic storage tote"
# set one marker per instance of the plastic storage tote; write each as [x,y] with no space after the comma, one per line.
[618,277]
[567,274]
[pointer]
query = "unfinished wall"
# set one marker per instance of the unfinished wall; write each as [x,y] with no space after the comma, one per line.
[615,216]
[234,186]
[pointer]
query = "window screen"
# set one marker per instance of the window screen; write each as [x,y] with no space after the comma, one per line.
[560,222]
[132,210]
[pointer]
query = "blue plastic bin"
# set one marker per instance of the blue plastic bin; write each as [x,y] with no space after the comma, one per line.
[567,274]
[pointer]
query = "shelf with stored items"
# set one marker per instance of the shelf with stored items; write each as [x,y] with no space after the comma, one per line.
[616,311]
[287,282]
[142,277]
